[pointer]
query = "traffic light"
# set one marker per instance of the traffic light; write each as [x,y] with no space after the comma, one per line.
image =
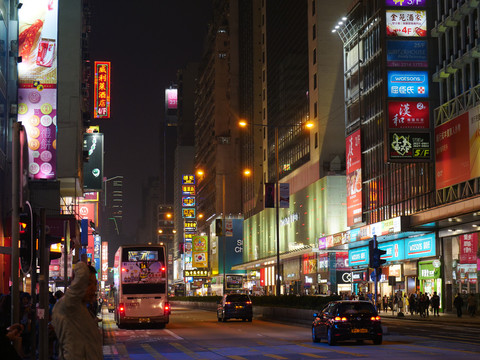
[375,255]
[377,261]
[218,227]
[55,251]
[26,238]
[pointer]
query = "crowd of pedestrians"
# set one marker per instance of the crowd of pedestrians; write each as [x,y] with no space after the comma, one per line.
[421,304]
[72,322]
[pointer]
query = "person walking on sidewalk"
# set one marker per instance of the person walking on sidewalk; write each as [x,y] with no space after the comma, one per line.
[77,331]
[435,300]
[471,304]
[458,303]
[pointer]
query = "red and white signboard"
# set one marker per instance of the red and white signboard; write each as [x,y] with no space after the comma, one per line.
[408,115]
[468,248]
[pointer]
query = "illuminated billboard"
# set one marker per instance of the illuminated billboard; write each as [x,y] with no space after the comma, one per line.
[171,99]
[408,84]
[457,144]
[101,98]
[409,146]
[354,179]
[405,2]
[406,23]
[93,168]
[37,84]
[407,53]
[408,115]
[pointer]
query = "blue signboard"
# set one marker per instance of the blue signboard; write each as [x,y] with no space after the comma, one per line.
[421,246]
[408,84]
[395,250]
[358,256]
[407,53]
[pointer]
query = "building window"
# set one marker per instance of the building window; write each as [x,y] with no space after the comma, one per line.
[314,31]
[314,56]
[314,81]
[313,7]
[316,140]
[315,110]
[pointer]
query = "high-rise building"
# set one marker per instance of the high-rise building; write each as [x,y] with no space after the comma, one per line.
[292,80]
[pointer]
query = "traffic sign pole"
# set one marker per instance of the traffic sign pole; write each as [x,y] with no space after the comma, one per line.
[376,273]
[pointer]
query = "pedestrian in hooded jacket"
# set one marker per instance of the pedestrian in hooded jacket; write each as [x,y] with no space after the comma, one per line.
[77,331]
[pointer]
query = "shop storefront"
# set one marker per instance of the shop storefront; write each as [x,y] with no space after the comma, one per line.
[430,278]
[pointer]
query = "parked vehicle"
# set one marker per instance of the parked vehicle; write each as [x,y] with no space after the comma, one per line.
[347,320]
[235,306]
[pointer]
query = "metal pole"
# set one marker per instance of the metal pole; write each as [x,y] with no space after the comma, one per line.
[376,272]
[15,296]
[223,232]
[277,217]
[44,253]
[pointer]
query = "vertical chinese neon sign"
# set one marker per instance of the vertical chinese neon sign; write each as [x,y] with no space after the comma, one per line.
[102,90]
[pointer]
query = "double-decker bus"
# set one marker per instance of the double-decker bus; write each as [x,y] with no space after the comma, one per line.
[141,289]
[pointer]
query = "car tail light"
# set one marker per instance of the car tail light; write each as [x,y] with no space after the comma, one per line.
[249,302]
[227,303]
[375,318]
[338,318]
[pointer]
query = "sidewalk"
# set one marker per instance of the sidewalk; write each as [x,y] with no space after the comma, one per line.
[443,318]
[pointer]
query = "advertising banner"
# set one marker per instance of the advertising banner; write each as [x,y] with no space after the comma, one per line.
[104,261]
[452,154]
[395,250]
[228,227]
[409,146]
[93,169]
[428,270]
[171,98]
[407,53]
[408,115]
[405,2]
[200,252]
[354,179]
[284,195]
[188,179]
[188,213]
[102,90]
[188,201]
[406,23]
[37,84]
[358,256]
[468,248]
[422,246]
[408,84]
[97,244]
[142,272]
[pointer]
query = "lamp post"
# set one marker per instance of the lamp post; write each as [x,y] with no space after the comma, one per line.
[308,125]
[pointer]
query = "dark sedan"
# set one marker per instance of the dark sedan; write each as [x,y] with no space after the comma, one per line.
[235,306]
[347,320]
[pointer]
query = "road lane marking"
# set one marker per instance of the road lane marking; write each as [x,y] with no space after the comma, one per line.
[187,351]
[171,333]
[332,350]
[313,355]
[275,356]
[156,355]
[444,349]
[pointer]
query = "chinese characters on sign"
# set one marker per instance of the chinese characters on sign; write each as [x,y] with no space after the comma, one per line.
[412,146]
[188,179]
[102,90]
[354,179]
[408,115]
[406,23]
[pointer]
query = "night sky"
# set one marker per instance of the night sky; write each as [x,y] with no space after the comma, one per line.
[146,42]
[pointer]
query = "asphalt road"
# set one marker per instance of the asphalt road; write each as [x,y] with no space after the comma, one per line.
[196,334]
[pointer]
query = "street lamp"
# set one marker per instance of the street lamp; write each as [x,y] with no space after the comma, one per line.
[308,125]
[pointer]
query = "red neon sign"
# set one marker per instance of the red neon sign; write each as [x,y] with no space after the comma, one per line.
[102,90]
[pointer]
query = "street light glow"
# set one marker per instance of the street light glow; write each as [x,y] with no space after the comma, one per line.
[247,172]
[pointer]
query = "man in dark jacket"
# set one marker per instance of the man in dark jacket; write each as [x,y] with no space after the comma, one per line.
[435,300]
[458,303]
